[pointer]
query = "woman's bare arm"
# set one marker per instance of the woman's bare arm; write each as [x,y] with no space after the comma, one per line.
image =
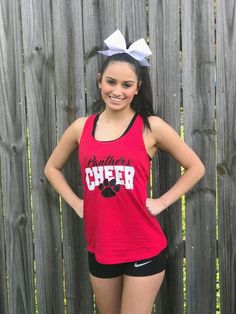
[67,144]
[167,139]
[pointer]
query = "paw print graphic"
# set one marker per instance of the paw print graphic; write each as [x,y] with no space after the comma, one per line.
[109,188]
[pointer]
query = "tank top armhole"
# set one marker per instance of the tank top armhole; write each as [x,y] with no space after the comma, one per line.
[95,124]
[87,125]
[143,127]
[149,157]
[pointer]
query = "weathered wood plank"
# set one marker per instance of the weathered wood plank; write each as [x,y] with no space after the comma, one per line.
[15,185]
[226,152]
[199,133]
[107,19]
[40,101]
[131,19]
[3,267]
[165,76]
[70,103]
[92,43]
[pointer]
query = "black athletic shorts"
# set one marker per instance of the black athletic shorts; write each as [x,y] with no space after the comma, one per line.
[145,267]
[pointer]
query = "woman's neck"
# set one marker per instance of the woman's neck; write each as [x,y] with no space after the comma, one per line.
[123,115]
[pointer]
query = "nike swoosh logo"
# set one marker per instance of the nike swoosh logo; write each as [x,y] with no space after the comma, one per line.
[141,264]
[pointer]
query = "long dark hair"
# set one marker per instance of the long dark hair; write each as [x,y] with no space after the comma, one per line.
[142,103]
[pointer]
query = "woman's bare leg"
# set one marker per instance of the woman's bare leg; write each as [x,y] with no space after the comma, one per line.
[139,293]
[108,294]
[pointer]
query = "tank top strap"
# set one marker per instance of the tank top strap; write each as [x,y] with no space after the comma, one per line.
[88,126]
[136,130]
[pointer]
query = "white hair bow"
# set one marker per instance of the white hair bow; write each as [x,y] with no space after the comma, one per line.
[117,44]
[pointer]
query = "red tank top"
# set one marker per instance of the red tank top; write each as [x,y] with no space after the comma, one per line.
[115,175]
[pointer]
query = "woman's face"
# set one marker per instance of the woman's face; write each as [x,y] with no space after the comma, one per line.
[118,84]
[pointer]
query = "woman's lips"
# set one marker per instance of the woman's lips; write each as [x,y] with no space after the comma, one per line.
[115,99]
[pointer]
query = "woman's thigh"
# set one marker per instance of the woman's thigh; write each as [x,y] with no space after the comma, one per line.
[139,293]
[108,294]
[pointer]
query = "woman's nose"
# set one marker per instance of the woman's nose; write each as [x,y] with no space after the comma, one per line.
[117,91]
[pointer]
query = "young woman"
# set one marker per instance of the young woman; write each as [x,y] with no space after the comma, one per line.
[126,247]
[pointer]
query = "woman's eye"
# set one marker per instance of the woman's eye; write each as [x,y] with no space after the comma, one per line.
[111,82]
[127,85]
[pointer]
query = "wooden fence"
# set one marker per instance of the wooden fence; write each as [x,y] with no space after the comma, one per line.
[48,68]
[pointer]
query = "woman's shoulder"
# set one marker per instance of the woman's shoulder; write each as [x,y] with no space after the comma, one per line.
[161,130]
[79,122]
[157,123]
[75,129]
[78,125]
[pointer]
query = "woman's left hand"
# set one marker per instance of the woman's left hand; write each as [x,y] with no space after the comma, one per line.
[154,206]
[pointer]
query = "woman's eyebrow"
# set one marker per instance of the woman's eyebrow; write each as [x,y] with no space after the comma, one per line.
[111,78]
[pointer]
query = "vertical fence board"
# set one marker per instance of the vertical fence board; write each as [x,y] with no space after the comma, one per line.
[3,268]
[92,43]
[39,71]
[15,185]
[131,19]
[107,18]
[199,133]
[226,152]
[3,277]
[70,102]
[165,76]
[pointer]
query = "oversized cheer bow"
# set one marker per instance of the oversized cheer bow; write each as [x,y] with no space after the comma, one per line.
[116,43]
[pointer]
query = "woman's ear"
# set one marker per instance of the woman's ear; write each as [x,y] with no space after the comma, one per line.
[99,79]
[139,85]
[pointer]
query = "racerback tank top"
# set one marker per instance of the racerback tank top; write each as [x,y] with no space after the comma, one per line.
[115,176]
